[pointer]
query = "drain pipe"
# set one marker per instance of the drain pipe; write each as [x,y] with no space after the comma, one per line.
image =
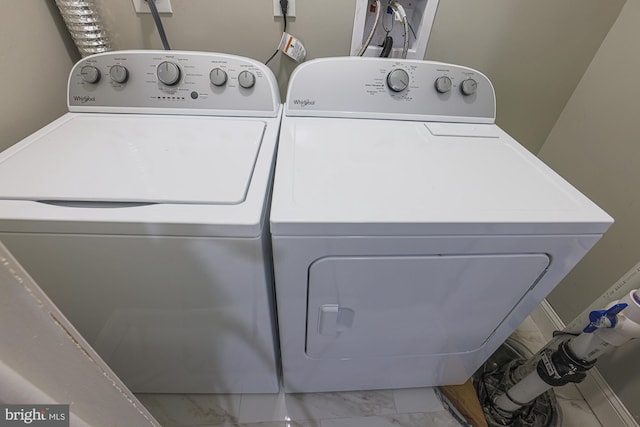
[85,26]
[611,327]
[627,283]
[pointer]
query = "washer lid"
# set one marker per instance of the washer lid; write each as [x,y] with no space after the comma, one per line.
[382,177]
[136,159]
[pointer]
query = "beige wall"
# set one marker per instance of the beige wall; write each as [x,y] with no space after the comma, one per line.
[596,145]
[34,64]
[240,27]
[534,51]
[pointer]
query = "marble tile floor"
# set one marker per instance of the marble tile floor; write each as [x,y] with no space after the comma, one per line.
[418,407]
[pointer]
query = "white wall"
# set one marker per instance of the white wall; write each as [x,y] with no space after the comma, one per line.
[595,145]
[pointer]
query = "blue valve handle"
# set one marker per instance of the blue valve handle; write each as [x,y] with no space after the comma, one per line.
[596,317]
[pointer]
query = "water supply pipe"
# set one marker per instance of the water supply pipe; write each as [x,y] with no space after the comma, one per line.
[402,15]
[376,20]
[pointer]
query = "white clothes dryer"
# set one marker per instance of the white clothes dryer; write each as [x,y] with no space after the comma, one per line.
[142,213]
[411,235]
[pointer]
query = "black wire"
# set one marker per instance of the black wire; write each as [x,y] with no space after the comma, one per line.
[272,56]
[387,45]
[412,32]
[284,6]
[156,18]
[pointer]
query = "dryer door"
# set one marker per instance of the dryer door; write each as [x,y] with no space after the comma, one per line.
[372,306]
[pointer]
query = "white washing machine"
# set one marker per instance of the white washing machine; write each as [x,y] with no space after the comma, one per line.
[411,235]
[143,214]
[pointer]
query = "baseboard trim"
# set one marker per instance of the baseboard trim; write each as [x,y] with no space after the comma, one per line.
[604,403]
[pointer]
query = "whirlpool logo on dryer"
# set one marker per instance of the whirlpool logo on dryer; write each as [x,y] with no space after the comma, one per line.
[84,99]
[304,102]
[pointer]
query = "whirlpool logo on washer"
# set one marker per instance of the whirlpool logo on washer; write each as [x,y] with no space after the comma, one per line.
[304,102]
[84,99]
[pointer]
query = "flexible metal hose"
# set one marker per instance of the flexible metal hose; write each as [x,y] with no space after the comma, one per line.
[373,29]
[405,25]
[405,45]
[85,26]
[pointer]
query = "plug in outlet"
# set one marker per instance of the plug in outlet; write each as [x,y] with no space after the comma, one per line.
[163,6]
[291,8]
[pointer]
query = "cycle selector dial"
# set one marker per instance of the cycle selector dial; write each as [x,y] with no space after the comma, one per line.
[90,74]
[168,73]
[218,77]
[119,73]
[246,79]
[443,84]
[398,80]
[468,87]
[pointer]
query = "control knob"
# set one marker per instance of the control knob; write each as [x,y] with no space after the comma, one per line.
[398,80]
[246,79]
[443,84]
[468,87]
[168,73]
[90,74]
[119,73]
[218,77]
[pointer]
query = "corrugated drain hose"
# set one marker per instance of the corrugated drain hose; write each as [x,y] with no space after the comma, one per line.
[85,26]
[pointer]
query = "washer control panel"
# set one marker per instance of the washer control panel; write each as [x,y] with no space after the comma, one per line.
[173,82]
[397,89]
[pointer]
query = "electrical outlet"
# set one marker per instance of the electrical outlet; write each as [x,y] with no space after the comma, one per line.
[291,8]
[163,6]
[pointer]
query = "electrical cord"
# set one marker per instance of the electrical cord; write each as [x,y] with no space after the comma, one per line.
[272,56]
[412,31]
[158,21]
[284,7]
[387,45]
[387,42]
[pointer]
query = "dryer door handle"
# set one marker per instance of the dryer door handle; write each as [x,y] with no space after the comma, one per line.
[333,319]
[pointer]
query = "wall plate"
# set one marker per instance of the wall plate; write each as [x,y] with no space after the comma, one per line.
[163,6]
[291,8]
[420,13]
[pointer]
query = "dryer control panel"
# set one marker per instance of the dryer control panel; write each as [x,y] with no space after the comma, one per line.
[173,82]
[382,88]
